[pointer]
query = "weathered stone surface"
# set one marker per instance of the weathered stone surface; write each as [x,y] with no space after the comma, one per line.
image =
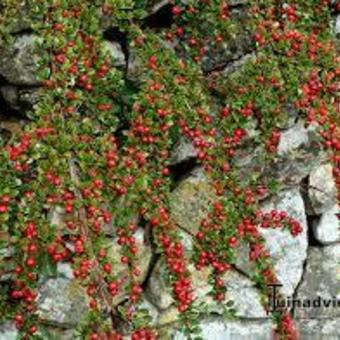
[337,25]
[293,138]
[183,151]
[310,329]
[321,279]
[238,45]
[158,291]
[322,189]
[221,329]
[144,256]
[296,160]
[327,230]
[116,52]
[20,99]
[190,200]
[151,310]
[246,298]
[62,301]
[288,252]
[8,332]
[18,62]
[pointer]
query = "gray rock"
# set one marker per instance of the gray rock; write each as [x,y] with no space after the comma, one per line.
[246,298]
[221,329]
[183,151]
[322,189]
[8,332]
[321,279]
[116,52]
[288,252]
[337,25]
[189,202]
[18,62]
[293,138]
[158,291]
[143,260]
[151,310]
[327,230]
[20,99]
[238,45]
[312,329]
[295,162]
[62,301]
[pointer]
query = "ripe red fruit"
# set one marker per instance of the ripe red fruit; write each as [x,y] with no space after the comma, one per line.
[31,262]
[176,10]
[60,58]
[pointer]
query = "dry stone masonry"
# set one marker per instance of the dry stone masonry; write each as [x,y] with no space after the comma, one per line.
[308,266]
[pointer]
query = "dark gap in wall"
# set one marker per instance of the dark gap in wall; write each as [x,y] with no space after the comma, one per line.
[114,34]
[182,170]
[311,219]
[163,18]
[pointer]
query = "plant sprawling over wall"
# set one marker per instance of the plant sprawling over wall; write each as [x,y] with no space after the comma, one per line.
[98,147]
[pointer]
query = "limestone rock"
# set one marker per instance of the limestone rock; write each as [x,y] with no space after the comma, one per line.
[8,332]
[158,292]
[238,45]
[327,230]
[321,279]
[144,256]
[190,200]
[221,329]
[116,52]
[183,151]
[322,189]
[297,157]
[20,99]
[313,329]
[293,138]
[62,301]
[288,252]
[337,25]
[246,298]
[18,62]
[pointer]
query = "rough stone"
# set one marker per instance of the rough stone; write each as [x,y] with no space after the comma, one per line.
[143,260]
[337,25]
[321,279]
[116,52]
[312,329]
[158,291]
[246,298]
[287,252]
[322,189]
[183,151]
[150,308]
[8,332]
[221,329]
[233,49]
[189,201]
[20,99]
[18,62]
[296,160]
[293,138]
[327,230]
[62,301]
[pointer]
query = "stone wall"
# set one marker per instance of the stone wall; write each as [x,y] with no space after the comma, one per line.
[308,266]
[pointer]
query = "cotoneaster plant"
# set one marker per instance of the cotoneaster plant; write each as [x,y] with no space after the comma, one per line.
[100,150]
